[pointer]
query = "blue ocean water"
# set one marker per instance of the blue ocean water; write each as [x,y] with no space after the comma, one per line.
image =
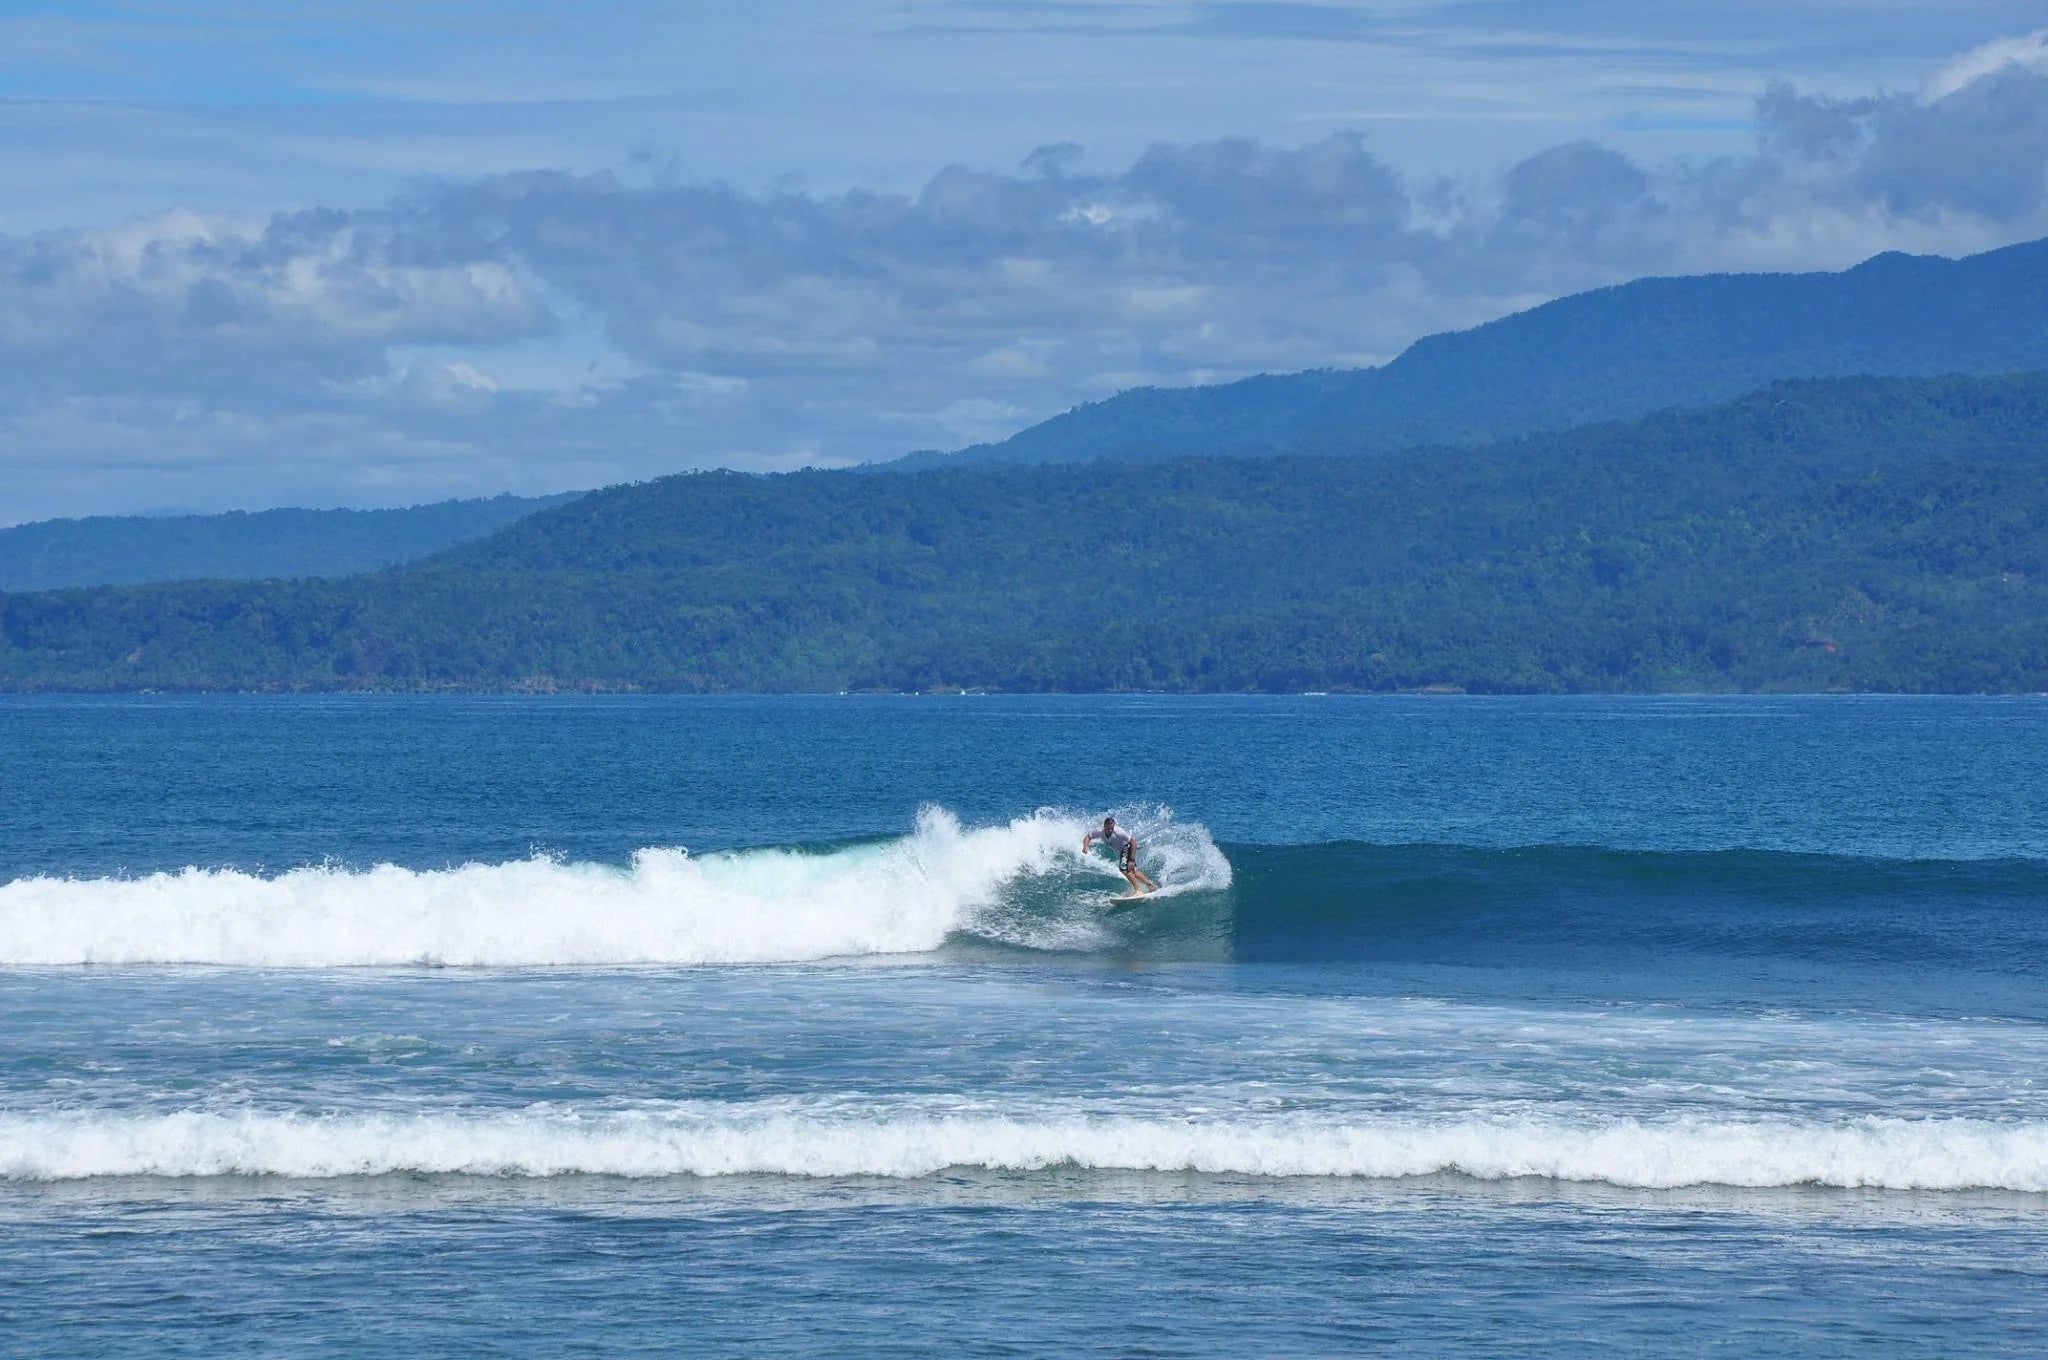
[421,1025]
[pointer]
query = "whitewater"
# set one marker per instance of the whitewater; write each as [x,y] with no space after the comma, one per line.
[770,905]
[1892,1154]
[402,1025]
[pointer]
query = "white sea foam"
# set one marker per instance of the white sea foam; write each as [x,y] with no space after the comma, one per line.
[1879,1153]
[669,907]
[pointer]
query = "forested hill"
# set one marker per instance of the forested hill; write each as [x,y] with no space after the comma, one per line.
[1867,534]
[1611,354]
[238,546]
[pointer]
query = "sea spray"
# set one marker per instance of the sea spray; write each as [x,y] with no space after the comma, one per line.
[904,896]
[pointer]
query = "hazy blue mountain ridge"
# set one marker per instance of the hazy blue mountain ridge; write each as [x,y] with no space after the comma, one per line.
[244,546]
[1609,354]
[1872,534]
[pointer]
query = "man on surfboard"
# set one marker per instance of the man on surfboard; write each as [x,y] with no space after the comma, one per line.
[1126,847]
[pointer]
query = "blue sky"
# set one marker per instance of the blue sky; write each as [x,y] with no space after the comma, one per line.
[376,253]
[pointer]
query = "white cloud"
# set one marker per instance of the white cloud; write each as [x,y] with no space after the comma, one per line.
[185,301]
[529,330]
[2028,52]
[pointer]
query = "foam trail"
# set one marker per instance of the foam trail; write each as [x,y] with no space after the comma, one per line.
[669,907]
[1872,1152]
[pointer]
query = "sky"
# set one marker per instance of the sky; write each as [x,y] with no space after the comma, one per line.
[381,253]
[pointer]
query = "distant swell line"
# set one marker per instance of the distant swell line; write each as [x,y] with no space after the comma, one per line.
[1893,1154]
[1737,871]
[1504,905]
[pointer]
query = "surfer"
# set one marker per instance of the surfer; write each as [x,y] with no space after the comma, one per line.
[1126,847]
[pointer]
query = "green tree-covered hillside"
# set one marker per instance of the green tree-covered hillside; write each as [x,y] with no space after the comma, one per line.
[1869,534]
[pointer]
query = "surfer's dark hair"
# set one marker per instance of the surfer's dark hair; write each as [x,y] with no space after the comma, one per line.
[1109,821]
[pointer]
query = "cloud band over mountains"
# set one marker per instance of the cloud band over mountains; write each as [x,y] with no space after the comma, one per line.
[538,330]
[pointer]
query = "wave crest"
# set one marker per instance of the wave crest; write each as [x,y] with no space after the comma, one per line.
[904,896]
[1879,1153]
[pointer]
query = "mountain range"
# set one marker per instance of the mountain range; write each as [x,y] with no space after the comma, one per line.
[1868,534]
[1605,355]
[1666,485]
[1615,353]
[130,549]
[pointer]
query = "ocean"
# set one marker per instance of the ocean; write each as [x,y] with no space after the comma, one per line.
[422,1025]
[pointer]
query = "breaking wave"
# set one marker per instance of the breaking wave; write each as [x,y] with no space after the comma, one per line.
[1882,1153]
[1024,883]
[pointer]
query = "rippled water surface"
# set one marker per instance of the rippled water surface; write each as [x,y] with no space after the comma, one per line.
[394,1026]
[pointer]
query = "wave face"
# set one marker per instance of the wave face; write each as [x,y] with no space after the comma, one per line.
[1871,1152]
[1021,884]
[1438,902]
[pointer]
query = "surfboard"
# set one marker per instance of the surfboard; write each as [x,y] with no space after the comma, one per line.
[1129,899]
